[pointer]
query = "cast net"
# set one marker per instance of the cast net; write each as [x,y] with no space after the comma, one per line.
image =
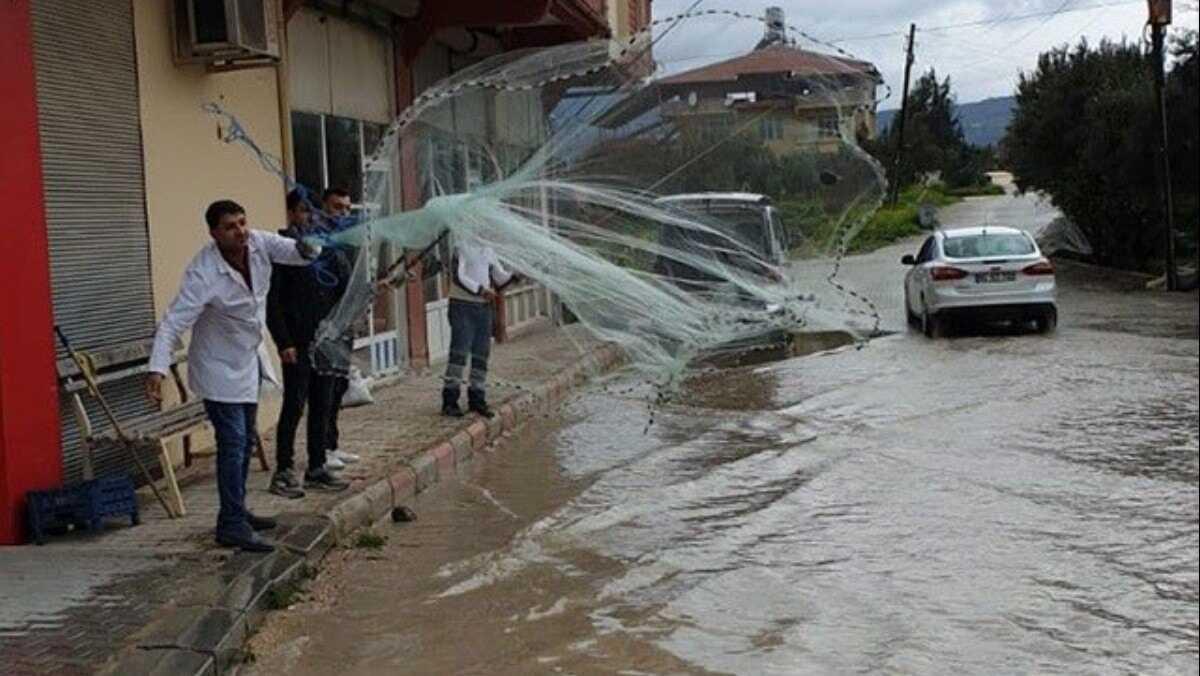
[677,213]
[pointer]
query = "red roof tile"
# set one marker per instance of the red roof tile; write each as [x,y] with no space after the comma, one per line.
[773,59]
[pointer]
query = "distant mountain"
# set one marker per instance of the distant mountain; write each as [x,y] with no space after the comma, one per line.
[983,122]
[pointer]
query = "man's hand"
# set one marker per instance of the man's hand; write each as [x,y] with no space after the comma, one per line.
[154,386]
[488,295]
[288,355]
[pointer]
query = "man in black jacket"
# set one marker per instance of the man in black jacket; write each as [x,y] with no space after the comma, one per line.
[295,307]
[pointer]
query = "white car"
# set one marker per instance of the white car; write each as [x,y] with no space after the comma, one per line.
[989,274]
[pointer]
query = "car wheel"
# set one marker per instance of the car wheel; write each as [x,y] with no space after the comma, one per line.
[1047,322]
[931,325]
[908,313]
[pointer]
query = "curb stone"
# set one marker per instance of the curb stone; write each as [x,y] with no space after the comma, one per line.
[204,632]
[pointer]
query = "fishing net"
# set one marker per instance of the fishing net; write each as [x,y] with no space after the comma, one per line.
[677,213]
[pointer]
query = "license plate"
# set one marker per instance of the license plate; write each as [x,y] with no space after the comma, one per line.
[995,276]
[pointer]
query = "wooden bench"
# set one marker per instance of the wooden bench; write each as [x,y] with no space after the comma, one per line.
[152,431]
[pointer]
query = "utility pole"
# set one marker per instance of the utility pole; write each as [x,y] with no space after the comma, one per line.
[895,187]
[1160,18]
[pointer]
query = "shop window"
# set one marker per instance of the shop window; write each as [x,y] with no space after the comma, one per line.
[343,152]
[308,147]
[333,151]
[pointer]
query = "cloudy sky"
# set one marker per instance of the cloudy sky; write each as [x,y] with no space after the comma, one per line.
[982,57]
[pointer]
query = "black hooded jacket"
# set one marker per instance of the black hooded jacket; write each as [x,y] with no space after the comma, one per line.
[300,297]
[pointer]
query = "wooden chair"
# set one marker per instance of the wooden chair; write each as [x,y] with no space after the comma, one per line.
[148,432]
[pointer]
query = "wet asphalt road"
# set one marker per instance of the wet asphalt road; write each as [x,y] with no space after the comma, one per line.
[995,502]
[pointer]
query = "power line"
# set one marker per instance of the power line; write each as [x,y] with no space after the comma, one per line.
[994,22]
[1061,8]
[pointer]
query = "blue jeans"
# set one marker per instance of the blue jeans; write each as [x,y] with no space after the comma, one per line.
[235,429]
[470,336]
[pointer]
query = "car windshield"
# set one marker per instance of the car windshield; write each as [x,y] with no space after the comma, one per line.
[747,226]
[987,246]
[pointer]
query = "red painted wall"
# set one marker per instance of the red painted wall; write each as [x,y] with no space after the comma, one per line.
[30,454]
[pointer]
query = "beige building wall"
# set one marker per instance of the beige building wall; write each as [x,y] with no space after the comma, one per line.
[618,19]
[187,166]
[338,67]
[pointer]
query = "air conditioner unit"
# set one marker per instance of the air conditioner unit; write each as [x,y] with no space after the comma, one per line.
[226,31]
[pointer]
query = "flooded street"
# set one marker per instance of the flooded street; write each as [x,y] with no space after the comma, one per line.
[996,502]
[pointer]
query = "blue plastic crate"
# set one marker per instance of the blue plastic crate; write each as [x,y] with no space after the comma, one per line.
[83,505]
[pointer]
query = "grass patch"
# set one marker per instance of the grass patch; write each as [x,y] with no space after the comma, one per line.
[284,594]
[976,190]
[885,226]
[816,228]
[370,540]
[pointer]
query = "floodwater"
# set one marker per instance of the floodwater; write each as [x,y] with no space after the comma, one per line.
[997,502]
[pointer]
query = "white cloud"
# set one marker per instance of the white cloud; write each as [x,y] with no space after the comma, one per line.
[982,60]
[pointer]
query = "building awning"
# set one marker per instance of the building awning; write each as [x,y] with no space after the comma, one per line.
[521,24]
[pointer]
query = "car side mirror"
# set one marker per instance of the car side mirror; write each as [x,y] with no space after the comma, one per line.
[908,260]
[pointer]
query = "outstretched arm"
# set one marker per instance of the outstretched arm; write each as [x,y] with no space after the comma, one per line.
[288,251]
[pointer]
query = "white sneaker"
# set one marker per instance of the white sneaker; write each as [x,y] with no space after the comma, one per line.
[345,457]
[332,462]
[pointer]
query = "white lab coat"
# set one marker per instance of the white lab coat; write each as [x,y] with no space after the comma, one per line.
[226,357]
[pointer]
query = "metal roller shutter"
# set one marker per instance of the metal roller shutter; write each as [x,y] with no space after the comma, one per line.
[89,122]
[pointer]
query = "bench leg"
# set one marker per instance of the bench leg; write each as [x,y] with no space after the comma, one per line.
[172,484]
[262,454]
[187,450]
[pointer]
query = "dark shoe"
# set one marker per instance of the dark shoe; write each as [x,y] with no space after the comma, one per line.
[283,483]
[482,409]
[323,480]
[450,407]
[249,543]
[258,523]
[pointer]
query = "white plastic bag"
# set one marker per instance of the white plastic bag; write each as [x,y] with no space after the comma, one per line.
[359,391]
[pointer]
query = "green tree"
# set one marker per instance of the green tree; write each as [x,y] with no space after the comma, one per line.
[933,138]
[1085,132]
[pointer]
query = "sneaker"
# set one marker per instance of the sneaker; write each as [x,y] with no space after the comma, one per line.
[345,457]
[284,484]
[452,411]
[333,463]
[258,523]
[323,480]
[249,543]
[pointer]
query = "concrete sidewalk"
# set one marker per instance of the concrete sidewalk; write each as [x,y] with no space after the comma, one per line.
[163,598]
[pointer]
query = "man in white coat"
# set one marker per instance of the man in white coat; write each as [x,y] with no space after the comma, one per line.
[223,299]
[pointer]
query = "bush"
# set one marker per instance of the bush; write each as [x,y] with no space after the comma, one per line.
[1084,132]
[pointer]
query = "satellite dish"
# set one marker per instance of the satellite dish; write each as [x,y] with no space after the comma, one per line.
[692,99]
